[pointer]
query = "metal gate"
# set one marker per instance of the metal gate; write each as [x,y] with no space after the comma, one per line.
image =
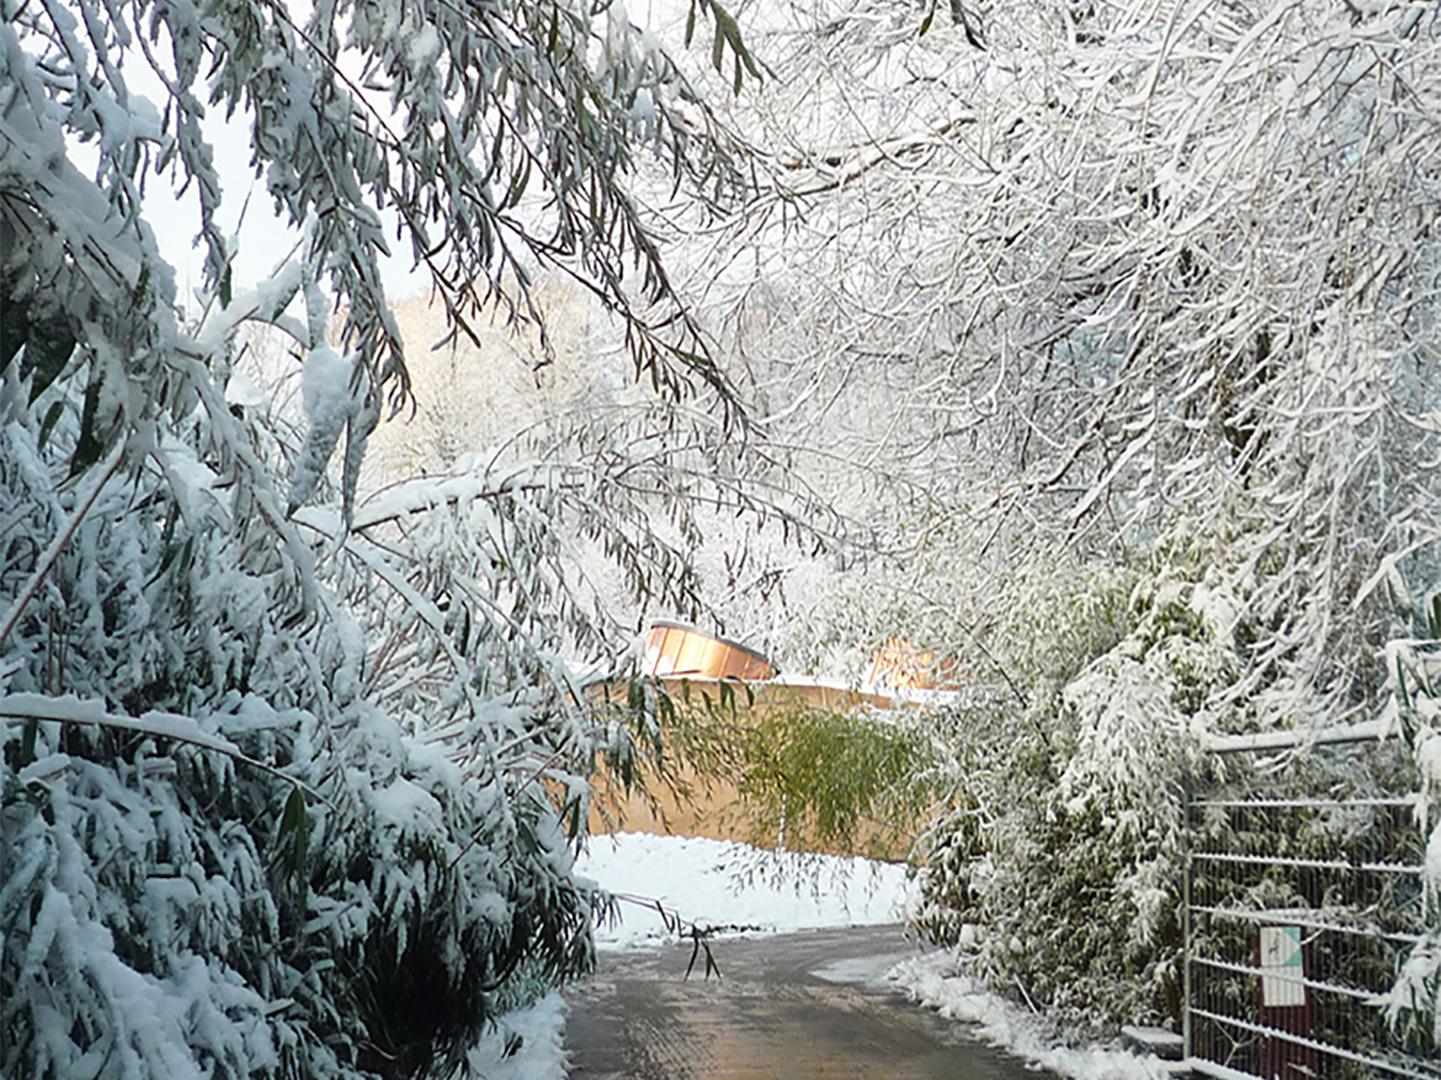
[1303,896]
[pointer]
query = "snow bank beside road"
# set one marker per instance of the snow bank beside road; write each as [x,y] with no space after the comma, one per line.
[931,980]
[716,883]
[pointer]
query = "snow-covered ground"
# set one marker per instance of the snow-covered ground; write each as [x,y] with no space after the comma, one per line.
[713,884]
[719,884]
[736,888]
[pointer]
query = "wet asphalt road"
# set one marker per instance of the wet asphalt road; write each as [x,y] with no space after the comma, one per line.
[800,1006]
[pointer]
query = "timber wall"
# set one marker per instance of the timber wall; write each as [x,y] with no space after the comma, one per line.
[715,810]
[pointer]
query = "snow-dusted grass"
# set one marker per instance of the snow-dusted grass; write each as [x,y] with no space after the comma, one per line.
[932,981]
[716,883]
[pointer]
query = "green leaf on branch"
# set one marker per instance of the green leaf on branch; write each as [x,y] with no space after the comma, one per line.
[294,844]
[727,36]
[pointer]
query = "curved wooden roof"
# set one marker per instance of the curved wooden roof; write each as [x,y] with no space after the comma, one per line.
[678,650]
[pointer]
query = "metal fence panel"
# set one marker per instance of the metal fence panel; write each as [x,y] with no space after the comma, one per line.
[1303,897]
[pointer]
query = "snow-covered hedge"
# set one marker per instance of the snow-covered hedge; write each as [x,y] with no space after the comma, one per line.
[220,857]
[1057,868]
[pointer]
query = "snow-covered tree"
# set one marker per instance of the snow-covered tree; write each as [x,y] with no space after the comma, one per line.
[1075,270]
[1087,276]
[290,782]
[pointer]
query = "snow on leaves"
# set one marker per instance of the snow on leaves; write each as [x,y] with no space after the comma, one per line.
[247,756]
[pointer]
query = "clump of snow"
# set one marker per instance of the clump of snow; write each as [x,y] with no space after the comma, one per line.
[535,1037]
[721,884]
[1433,858]
[245,390]
[332,389]
[932,980]
[1412,992]
[424,48]
[326,384]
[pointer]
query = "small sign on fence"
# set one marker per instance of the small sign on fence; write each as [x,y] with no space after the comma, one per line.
[1281,954]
